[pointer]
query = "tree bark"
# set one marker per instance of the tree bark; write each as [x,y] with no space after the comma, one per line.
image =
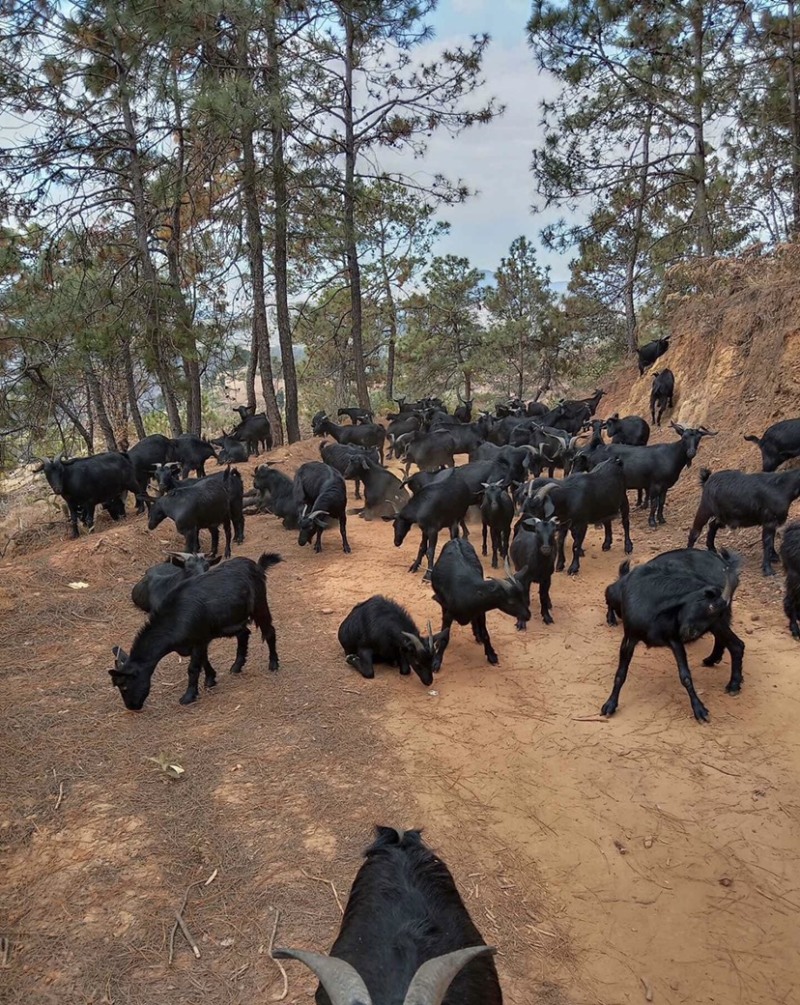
[255,238]
[100,408]
[629,290]
[705,244]
[141,226]
[130,384]
[34,374]
[794,118]
[281,237]
[250,374]
[390,362]
[351,249]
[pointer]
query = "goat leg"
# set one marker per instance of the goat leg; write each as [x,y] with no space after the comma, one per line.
[685,674]
[626,651]
[196,663]
[242,642]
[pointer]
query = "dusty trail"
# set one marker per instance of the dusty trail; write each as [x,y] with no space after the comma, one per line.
[605,859]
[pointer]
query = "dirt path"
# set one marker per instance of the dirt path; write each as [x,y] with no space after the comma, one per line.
[605,859]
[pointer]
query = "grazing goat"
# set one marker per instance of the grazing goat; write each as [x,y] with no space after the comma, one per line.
[780,442]
[87,482]
[497,512]
[383,492]
[192,452]
[406,936]
[533,548]
[367,435]
[790,558]
[651,351]
[676,598]
[200,505]
[218,604]
[596,497]
[150,593]
[466,597]
[441,504]
[661,394]
[736,499]
[320,488]
[379,630]
[631,430]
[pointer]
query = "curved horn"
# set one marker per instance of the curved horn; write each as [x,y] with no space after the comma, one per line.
[430,983]
[340,980]
[507,567]
[706,432]
[430,630]
[415,641]
[544,491]
[318,512]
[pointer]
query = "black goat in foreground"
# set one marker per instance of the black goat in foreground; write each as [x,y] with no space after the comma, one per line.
[675,598]
[150,593]
[466,597]
[497,512]
[736,499]
[534,550]
[790,557]
[320,487]
[406,936]
[218,604]
[379,630]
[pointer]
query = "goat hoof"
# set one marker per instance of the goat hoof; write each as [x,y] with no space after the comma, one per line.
[427,577]
[547,619]
[210,682]
[236,667]
[521,626]
[700,712]
[188,698]
[492,658]
[606,546]
[609,708]
[768,570]
[273,665]
[629,547]
[345,548]
[573,570]
[733,687]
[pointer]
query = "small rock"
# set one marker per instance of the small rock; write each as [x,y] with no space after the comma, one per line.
[726,881]
[327,610]
[226,943]
[620,847]
[648,841]
[433,693]
[755,617]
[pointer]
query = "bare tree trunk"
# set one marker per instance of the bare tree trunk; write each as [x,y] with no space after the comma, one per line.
[34,374]
[390,362]
[705,244]
[255,238]
[140,219]
[794,118]
[281,240]
[100,408]
[130,385]
[351,249]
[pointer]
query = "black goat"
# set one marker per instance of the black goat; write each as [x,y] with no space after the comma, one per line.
[150,593]
[232,450]
[780,442]
[497,512]
[631,430]
[358,416]
[466,597]
[339,456]
[581,499]
[255,431]
[275,494]
[192,452]
[405,936]
[383,492]
[216,605]
[661,394]
[146,456]
[441,504]
[463,411]
[534,550]
[790,558]
[367,435]
[379,630]
[429,451]
[320,493]
[676,598]
[199,505]
[736,499]
[244,410]
[651,351]
[87,482]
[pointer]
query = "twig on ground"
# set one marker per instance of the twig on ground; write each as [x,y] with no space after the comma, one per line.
[278,964]
[180,923]
[328,882]
[5,950]
[187,934]
[60,794]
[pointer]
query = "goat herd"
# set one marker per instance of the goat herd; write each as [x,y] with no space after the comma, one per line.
[675,598]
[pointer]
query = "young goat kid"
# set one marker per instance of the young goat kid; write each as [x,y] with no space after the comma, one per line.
[219,604]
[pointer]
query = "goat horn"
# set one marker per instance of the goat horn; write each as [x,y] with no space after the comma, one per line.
[545,490]
[507,567]
[706,432]
[727,593]
[430,983]
[318,512]
[430,630]
[415,641]
[340,980]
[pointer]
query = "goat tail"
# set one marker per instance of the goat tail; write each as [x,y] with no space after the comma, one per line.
[269,558]
[625,568]
[705,474]
[753,439]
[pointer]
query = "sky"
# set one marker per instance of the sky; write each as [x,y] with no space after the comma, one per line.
[494,159]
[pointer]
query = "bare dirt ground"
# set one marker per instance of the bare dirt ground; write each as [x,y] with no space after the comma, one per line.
[643,858]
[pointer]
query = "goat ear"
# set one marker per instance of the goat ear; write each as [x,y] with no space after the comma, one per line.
[120,656]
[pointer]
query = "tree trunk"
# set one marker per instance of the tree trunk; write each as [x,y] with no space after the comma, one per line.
[521,383]
[281,238]
[255,238]
[467,385]
[130,385]
[34,374]
[387,288]
[250,374]
[100,408]
[141,226]
[351,249]
[705,244]
[794,118]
